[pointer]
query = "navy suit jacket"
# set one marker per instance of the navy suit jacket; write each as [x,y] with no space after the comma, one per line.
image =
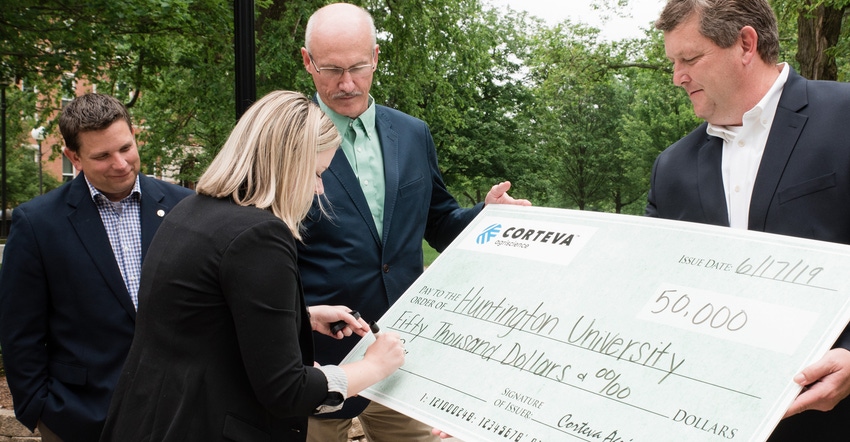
[802,189]
[66,317]
[344,261]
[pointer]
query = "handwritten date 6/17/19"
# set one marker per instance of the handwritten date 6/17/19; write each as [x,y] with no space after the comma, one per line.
[795,272]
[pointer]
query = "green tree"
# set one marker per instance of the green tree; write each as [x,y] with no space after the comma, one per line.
[187,107]
[819,34]
[175,53]
[576,110]
[493,144]
[447,62]
[280,36]
[22,176]
[21,166]
[658,114]
[122,44]
[570,120]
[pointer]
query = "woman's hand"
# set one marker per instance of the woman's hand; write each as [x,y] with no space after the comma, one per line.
[383,357]
[322,316]
[386,353]
[442,434]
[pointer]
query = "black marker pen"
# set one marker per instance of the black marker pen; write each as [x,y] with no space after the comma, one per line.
[339,325]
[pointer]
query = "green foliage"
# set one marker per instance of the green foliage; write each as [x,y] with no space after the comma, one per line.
[22,176]
[794,37]
[658,114]
[603,112]
[280,36]
[491,144]
[21,166]
[429,254]
[570,120]
[188,103]
[573,106]
[175,53]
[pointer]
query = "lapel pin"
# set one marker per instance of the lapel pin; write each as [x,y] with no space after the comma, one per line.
[160,213]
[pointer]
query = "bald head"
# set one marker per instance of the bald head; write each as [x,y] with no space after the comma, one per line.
[341,22]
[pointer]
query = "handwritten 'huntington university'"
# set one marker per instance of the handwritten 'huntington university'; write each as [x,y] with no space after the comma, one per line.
[511,316]
[612,344]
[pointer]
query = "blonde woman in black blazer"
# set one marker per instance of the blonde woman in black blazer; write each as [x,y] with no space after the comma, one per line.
[223,346]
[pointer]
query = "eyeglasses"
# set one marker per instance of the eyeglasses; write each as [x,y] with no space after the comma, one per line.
[335,72]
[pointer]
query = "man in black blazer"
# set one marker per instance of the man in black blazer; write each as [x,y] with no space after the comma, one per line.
[385,193]
[70,273]
[772,155]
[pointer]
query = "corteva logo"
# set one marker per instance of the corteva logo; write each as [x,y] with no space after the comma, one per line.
[489,233]
[541,236]
[538,240]
[523,234]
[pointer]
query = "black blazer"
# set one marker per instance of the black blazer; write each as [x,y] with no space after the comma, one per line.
[66,318]
[343,260]
[802,189]
[223,342]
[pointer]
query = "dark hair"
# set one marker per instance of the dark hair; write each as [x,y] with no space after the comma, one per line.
[90,112]
[721,22]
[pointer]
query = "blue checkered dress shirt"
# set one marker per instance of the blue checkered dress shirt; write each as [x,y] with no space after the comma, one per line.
[124,228]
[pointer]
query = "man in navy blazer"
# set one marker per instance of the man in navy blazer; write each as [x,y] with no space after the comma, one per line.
[385,193]
[773,156]
[66,312]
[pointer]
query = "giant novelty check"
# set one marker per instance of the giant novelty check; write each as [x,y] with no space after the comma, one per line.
[551,325]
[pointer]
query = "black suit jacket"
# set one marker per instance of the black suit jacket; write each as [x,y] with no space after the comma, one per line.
[344,261]
[223,343]
[802,189]
[66,318]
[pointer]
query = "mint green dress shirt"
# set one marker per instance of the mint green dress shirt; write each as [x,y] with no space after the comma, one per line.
[362,148]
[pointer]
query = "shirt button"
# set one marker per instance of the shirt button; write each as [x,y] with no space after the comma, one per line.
[741,143]
[737,188]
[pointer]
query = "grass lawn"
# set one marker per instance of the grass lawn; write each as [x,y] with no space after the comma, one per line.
[429,254]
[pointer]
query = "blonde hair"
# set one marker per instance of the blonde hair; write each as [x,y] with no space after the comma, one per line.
[269,160]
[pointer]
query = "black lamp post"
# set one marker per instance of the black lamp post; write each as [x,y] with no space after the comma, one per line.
[3,83]
[243,32]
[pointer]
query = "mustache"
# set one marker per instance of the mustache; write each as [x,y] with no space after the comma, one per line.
[346,94]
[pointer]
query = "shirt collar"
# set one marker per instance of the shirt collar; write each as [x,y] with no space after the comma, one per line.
[762,113]
[137,189]
[343,123]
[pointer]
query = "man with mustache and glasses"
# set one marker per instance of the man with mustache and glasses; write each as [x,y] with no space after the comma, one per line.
[386,193]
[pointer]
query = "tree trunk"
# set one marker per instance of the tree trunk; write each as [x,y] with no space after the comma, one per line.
[817,33]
